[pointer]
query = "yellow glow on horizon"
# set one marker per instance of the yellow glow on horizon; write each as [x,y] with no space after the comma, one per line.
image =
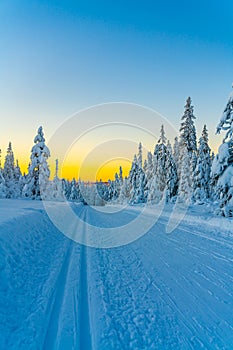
[108,170]
[97,154]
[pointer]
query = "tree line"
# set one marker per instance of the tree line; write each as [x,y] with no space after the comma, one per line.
[186,171]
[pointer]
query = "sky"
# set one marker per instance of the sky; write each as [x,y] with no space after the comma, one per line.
[60,57]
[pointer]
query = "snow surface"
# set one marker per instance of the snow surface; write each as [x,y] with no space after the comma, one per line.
[164,291]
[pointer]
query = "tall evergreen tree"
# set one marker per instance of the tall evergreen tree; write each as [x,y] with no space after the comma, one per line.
[66,188]
[176,152]
[19,180]
[163,178]
[75,193]
[140,180]
[149,172]
[188,130]
[140,196]
[137,179]
[56,185]
[121,175]
[203,169]
[38,172]
[133,179]
[112,190]
[171,175]
[222,168]
[17,171]
[116,186]
[160,155]
[139,157]
[9,174]
[187,147]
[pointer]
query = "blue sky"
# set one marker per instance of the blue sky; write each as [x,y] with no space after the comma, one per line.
[58,57]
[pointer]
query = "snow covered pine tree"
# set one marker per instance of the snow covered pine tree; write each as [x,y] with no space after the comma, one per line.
[11,175]
[222,168]
[38,171]
[187,148]
[202,170]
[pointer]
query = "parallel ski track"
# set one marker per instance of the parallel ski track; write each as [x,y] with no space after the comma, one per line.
[84,312]
[147,306]
[75,298]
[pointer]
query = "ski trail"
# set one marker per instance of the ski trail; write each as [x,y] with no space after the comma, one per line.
[84,312]
[63,315]
[63,325]
[162,291]
[50,341]
[68,322]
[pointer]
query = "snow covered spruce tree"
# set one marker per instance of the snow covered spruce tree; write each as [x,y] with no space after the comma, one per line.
[176,153]
[19,180]
[154,195]
[160,154]
[133,179]
[112,191]
[66,188]
[98,200]
[38,172]
[187,148]
[56,185]
[75,192]
[118,184]
[148,170]
[8,172]
[164,182]
[120,175]
[140,192]
[171,175]
[188,138]
[222,168]
[103,190]
[11,174]
[137,179]
[203,169]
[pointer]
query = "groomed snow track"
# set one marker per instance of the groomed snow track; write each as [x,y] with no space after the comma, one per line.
[160,292]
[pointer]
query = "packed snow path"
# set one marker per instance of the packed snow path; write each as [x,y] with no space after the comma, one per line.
[160,292]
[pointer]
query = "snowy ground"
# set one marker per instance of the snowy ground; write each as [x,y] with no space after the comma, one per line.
[161,292]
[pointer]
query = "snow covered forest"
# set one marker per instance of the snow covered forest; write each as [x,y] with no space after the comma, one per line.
[161,291]
[186,171]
